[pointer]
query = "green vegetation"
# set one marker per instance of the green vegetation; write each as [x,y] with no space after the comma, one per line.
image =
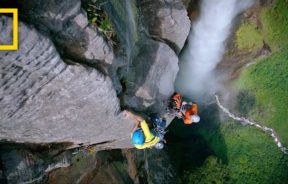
[245,102]
[275,24]
[253,157]
[234,153]
[98,18]
[272,27]
[226,152]
[212,171]
[248,37]
[268,82]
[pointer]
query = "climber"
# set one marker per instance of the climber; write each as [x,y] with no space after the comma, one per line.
[176,101]
[187,111]
[141,135]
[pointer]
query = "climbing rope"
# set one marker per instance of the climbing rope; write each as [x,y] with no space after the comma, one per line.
[147,168]
[265,129]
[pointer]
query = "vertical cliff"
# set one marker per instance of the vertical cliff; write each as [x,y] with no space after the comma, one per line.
[67,83]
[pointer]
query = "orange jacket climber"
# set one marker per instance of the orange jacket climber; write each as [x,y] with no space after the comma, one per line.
[187,111]
[189,114]
[176,101]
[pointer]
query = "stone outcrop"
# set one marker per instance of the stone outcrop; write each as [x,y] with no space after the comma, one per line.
[154,166]
[150,78]
[167,21]
[152,37]
[45,100]
[67,25]
[22,164]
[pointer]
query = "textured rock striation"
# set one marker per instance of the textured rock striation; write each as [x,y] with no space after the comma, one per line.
[45,100]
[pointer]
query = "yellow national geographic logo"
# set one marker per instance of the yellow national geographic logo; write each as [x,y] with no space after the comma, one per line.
[14,45]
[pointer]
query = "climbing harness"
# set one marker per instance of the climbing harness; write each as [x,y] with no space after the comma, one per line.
[147,167]
[159,126]
[265,129]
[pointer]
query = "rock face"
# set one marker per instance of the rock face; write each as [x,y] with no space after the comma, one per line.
[166,20]
[151,38]
[68,26]
[150,78]
[23,165]
[130,166]
[18,169]
[124,17]
[45,100]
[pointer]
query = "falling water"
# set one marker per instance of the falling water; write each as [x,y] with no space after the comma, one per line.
[123,15]
[265,129]
[206,45]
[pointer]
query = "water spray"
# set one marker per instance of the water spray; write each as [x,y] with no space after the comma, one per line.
[206,46]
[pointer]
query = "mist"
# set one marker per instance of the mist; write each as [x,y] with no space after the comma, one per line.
[206,46]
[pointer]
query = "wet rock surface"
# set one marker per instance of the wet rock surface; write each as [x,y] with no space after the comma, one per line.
[155,35]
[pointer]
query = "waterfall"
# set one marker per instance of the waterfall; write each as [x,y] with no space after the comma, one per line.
[206,45]
[123,15]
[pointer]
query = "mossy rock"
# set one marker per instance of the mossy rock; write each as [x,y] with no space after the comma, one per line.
[248,37]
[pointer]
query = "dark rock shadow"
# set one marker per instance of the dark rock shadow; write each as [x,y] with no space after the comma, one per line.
[101,168]
[189,145]
[21,163]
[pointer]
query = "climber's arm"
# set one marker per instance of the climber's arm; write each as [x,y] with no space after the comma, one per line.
[137,119]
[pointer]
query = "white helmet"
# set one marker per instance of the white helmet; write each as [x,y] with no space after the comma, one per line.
[159,145]
[195,118]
